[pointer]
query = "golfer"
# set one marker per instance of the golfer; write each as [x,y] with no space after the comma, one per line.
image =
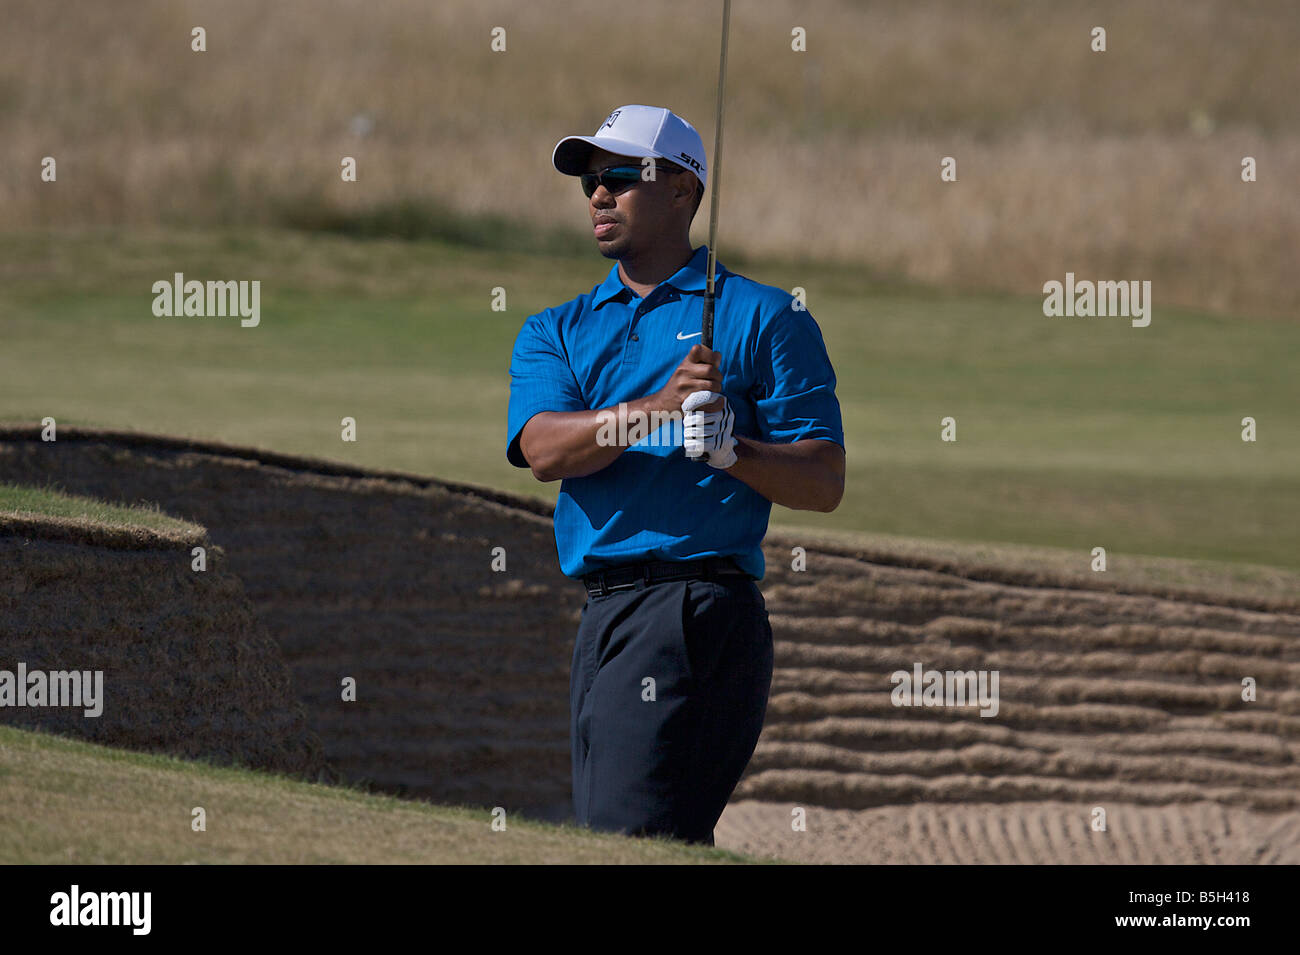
[672,664]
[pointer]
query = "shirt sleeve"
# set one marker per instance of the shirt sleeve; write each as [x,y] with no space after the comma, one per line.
[795,382]
[540,380]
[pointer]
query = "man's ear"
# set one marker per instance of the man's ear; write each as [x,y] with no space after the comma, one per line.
[685,187]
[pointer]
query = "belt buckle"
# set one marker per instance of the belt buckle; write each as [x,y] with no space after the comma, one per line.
[630,585]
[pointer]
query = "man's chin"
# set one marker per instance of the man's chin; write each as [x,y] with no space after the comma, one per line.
[612,249]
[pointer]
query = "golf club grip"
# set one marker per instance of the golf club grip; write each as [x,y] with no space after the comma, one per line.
[715,175]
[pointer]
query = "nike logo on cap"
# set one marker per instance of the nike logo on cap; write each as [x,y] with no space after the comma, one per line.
[682,338]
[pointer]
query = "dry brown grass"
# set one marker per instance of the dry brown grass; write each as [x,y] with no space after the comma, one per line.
[1116,165]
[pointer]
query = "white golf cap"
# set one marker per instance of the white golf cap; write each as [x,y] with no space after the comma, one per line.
[636,131]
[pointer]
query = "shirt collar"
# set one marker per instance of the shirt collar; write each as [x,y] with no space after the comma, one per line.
[611,288]
[691,277]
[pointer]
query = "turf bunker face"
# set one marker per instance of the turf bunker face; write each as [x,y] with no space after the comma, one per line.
[461,673]
[108,635]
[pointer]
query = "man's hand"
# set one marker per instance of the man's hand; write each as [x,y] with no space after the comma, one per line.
[708,433]
[697,372]
[697,380]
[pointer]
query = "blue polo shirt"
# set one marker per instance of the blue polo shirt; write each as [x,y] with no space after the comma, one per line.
[610,345]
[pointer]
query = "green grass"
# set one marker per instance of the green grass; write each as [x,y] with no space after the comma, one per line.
[87,804]
[1071,432]
[18,500]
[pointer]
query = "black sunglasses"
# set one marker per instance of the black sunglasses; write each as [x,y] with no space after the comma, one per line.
[616,179]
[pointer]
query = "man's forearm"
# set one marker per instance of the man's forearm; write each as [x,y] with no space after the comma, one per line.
[804,475]
[566,444]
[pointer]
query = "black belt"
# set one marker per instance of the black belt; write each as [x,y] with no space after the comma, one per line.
[626,576]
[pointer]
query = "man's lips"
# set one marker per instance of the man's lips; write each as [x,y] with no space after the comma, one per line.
[604,225]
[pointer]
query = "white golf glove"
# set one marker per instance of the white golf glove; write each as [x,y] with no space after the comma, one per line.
[708,433]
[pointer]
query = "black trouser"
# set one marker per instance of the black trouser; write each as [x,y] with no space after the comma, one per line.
[667,692]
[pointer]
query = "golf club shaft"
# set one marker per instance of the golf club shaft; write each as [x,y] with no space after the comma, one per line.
[707,325]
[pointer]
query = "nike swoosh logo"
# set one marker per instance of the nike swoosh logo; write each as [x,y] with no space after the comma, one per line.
[682,338]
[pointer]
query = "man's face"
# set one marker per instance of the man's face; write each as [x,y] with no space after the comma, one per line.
[642,215]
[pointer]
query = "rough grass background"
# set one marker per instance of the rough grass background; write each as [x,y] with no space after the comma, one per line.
[1123,164]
